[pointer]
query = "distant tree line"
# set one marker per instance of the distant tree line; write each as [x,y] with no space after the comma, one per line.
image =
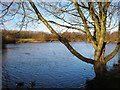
[13,36]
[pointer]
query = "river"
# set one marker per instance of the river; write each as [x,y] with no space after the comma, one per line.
[50,65]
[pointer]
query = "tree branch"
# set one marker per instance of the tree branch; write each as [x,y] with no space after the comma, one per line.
[112,54]
[94,16]
[6,9]
[83,6]
[106,6]
[66,26]
[61,39]
[85,24]
[62,19]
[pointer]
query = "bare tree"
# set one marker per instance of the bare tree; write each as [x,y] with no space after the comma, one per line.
[91,18]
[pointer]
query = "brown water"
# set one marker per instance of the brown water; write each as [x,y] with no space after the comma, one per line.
[50,65]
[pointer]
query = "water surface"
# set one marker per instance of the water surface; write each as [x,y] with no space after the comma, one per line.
[51,65]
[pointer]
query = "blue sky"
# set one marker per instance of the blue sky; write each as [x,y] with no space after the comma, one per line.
[11,25]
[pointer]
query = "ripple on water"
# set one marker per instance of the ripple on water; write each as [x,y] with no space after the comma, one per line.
[49,64]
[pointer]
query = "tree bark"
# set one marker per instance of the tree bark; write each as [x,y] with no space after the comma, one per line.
[100,69]
[100,65]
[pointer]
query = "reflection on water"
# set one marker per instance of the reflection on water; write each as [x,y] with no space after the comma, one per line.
[51,65]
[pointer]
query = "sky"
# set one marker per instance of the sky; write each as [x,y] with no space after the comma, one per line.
[11,25]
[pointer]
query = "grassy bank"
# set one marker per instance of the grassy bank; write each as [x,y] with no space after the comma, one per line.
[24,40]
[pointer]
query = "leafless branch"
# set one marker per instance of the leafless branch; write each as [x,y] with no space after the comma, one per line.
[6,9]
[69,27]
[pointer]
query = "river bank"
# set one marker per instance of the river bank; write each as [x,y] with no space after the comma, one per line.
[111,81]
[12,36]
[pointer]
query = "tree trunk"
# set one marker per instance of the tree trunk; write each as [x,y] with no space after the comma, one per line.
[100,65]
[100,69]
